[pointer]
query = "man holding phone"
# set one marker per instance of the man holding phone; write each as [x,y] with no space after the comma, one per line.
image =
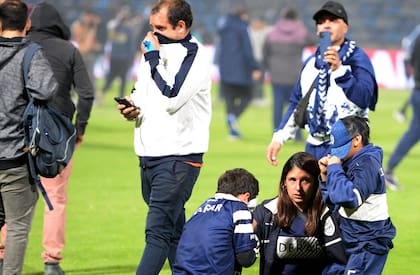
[171,125]
[343,82]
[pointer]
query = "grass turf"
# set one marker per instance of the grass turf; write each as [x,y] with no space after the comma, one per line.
[106,213]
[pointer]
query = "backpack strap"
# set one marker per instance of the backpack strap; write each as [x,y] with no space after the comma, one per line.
[27,58]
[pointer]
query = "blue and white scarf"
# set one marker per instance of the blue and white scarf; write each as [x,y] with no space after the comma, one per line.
[317,121]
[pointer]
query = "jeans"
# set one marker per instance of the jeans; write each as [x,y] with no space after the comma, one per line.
[17,207]
[410,137]
[166,188]
[281,95]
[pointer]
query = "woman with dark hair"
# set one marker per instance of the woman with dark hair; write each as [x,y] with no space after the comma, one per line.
[289,226]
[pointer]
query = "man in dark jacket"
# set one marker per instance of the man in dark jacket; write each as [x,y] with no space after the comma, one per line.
[123,48]
[237,65]
[49,30]
[18,194]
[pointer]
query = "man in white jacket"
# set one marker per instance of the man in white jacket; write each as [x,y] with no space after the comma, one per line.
[172,112]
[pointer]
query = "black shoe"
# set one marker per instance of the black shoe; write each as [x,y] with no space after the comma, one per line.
[53,269]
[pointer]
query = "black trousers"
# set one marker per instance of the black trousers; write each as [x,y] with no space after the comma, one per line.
[237,97]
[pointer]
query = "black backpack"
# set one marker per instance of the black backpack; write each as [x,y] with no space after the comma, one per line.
[50,136]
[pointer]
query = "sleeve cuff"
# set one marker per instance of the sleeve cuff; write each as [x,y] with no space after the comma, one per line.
[279,136]
[341,71]
[151,55]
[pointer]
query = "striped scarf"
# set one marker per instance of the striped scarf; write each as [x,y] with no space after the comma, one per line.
[317,122]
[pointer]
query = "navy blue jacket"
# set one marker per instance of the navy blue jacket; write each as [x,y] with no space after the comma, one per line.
[302,259]
[235,56]
[357,189]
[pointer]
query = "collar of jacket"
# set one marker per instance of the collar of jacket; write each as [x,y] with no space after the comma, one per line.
[165,40]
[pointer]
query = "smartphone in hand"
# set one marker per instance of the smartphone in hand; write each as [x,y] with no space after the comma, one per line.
[324,42]
[124,101]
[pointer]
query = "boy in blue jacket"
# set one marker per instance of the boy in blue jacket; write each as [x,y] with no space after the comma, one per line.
[219,237]
[353,183]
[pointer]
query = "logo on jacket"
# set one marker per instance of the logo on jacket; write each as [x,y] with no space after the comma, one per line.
[298,247]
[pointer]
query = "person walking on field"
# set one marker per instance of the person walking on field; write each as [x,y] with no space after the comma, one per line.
[282,58]
[237,65]
[49,31]
[343,84]
[412,135]
[18,191]
[172,113]
[122,52]
[84,34]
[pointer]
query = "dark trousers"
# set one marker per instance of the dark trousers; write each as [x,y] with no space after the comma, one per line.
[366,262]
[118,68]
[410,137]
[237,97]
[18,199]
[281,96]
[166,188]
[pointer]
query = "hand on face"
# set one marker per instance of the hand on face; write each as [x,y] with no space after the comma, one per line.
[153,40]
[324,162]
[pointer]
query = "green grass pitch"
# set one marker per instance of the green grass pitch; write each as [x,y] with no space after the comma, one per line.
[106,213]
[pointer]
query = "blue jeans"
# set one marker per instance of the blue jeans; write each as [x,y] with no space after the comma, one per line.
[166,188]
[281,97]
[410,137]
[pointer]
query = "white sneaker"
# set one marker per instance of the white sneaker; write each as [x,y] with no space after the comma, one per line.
[399,116]
[391,182]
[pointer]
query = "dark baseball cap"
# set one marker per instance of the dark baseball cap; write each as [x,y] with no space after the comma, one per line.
[333,8]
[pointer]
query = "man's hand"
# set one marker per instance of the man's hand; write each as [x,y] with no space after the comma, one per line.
[79,139]
[272,151]
[323,163]
[332,58]
[150,43]
[333,160]
[130,113]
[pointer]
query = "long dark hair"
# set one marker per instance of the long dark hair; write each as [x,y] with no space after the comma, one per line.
[286,210]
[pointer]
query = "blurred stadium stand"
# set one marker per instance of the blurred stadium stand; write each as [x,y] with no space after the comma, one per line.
[373,23]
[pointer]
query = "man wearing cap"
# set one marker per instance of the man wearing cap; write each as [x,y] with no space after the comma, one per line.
[353,182]
[342,83]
